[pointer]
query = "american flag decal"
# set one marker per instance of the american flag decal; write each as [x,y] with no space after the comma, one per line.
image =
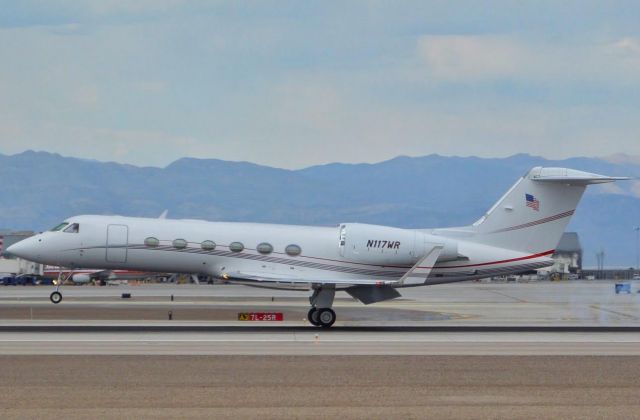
[532,202]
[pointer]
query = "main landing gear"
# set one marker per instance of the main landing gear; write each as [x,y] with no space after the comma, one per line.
[321,314]
[324,317]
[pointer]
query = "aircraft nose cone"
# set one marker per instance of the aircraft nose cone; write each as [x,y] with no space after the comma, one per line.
[23,249]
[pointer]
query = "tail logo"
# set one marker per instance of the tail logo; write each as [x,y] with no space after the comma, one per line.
[532,202]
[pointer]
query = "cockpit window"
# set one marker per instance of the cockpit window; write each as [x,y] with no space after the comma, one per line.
[72,228]
[60,227]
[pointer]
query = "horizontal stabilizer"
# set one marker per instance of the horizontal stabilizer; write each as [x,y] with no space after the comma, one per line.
[571,176]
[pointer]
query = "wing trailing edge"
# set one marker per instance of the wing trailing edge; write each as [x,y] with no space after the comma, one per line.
[271,278]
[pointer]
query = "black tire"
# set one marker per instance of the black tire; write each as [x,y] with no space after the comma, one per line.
[326,317]
[55,297]
[312,317]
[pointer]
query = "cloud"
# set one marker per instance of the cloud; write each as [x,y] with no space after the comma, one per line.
[613,189]
[86,95]
[112,7]
[508,58]
[628,45]
[152,86]
[635,188]
[457,57]
[309,83]
[66,12]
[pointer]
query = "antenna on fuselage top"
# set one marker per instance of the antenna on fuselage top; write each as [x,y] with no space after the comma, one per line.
[164,214]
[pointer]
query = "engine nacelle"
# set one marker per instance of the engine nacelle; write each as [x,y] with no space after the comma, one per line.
[449,251]
[382,245]
[81,278]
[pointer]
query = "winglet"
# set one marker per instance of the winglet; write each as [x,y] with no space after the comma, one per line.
[164,214]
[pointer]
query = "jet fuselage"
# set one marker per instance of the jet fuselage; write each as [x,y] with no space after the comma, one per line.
[347,251]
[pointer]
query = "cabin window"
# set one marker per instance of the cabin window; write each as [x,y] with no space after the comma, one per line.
[151,241]
[264,248]
[293,250]
[236,246]
[179,243]
[208,245]
[72,228]
[60,227]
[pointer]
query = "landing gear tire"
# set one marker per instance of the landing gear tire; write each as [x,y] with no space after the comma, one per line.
[56,297]
[312,316]
[326,317]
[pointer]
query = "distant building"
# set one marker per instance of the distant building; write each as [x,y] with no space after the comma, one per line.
[11,266]
[19,267]
[568,255]
[609,273]
[10,237]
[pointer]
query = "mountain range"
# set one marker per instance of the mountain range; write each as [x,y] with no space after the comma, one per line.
[40,189]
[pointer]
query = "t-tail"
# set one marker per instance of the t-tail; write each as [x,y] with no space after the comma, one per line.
[534,213]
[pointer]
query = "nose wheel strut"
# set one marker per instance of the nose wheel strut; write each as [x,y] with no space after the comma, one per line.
[56,296]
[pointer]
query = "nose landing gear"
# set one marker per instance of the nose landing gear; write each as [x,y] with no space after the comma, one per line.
[56,296]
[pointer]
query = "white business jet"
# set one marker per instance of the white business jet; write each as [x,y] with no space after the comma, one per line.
[369,262]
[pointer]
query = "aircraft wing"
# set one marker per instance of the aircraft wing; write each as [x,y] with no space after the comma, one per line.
[273,278]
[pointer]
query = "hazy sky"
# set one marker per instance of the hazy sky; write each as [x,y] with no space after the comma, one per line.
[297,83]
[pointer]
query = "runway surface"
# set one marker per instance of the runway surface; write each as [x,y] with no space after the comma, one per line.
[522,304]
[575,318]
[175,339]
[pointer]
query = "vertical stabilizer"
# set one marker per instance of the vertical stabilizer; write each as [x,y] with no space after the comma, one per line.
[534,213]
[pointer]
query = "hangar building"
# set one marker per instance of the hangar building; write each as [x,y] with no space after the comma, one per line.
[568,255]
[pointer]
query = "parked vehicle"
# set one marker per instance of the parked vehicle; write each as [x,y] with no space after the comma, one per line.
[25,280]
[8,281]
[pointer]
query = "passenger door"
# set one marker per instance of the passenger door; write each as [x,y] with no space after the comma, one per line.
[117,241]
